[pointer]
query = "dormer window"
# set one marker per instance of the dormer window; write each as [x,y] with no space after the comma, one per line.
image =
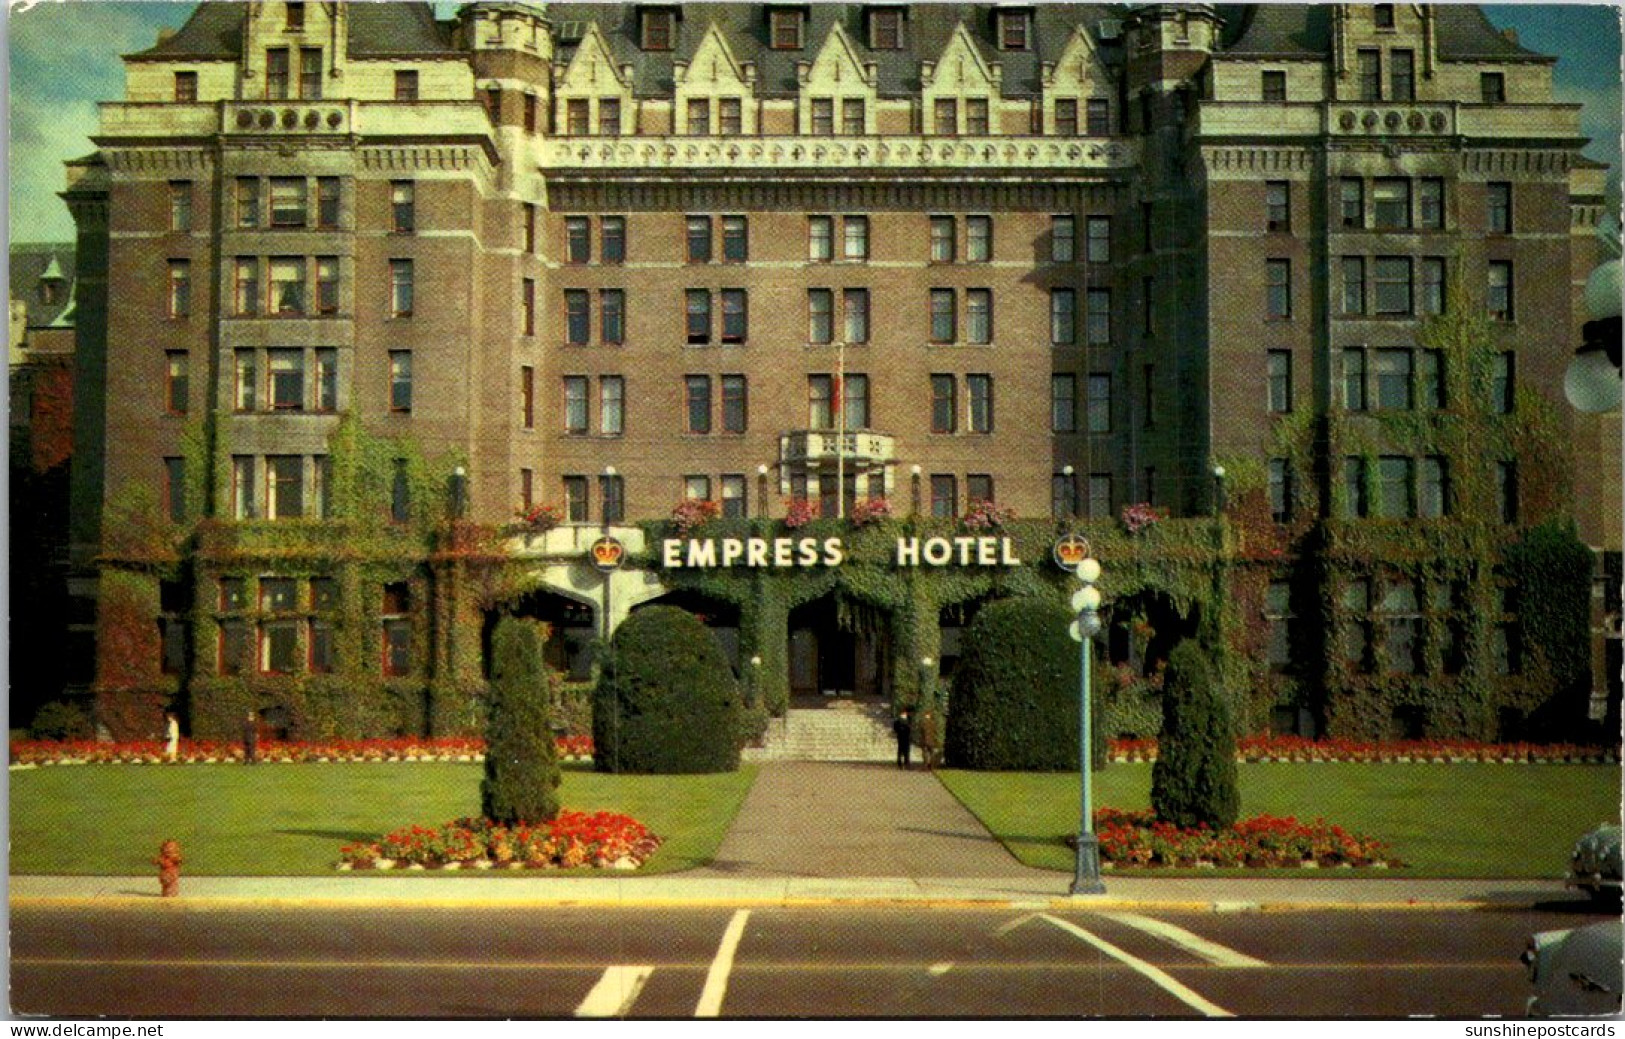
[886,28]
[784,29]
[1012,27]
[1383,16]
[296,18]
[659,28]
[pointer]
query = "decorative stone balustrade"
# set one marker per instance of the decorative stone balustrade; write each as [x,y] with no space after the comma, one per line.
[809,446]
[837,153]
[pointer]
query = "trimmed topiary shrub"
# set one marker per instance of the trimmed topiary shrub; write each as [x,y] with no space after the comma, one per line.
[521,783]
[1194,779]
[666,699]
[1014,704]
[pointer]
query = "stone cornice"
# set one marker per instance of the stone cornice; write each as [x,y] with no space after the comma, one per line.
[978,155]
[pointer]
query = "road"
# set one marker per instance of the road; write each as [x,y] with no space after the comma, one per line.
[177,960]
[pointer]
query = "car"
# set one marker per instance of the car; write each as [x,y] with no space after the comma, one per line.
[1577,972]
[1594,867]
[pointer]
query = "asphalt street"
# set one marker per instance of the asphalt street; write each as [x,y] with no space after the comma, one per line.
[175,961]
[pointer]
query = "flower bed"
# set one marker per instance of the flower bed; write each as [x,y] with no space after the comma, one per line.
[1137,839]
[195,752]
[1297,748]
[601,839]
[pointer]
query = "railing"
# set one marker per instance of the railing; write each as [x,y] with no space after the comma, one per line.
[838,153]
[813,446]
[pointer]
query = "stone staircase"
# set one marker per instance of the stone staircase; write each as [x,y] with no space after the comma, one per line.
[842,731]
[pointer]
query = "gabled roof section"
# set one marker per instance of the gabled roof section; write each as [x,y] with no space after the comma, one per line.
[1080,61]
[216,28]
[1466,34]
[591,60]
[34,262]
[838,58]
[1462,31]
[963,60]
[714,60]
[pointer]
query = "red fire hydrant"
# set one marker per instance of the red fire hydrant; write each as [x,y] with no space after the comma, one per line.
[169,869]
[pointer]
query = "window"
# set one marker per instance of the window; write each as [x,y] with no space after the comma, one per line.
[612,490]
[1370,72]
[288,201]
[1391,203]
[730,116]
[284,487]
[611,405]
[1100,495]
[1506,490]
[287,285]
[944,404]
[180,205]
[1351,201]
[1499,207]
[854,400]
[1063,495]
[575,116]
[1354,483]
[820,238]
[735,239]
[1279,299]
[735,404]
[852,116]
[527,396]
[1402,621]
[1401,75]
[786,29]
[185,87]
[575,405]
[699,239]
[1433,499]
[1433,286]
[177,385]
[978,487]
[944,496]
[1393,285]
[527,306]
[1063,403]
[1099,408]
[657,30]
[1097,112]
[247,376]
[276,74]
[400,288]
[1430,203]
[856,240]
[1382,15]
[697,395]
[697,488]
[1353,278]
[1066,117]
[1062,239]
[532,108]
[612,316]
[397,631]
[1394,380]
[576,508]
[698,308]
[1492,88]
[1354,379]
[734,505]
[1278,618]
[286,384]
[735,316]
[400,381]
[530,228]
[820,316]
[980,390]
[1273,86]
[942,239]
[400,494]
[577,317]
[248,202]
[855,304]
[1012,30]
[1280,479]
[976,116]
[978,239]
[609,116]
[1279,368]
[1395,483]
[1063,312]
[406,85]
[180,288]
[327,379]
[1099,230]
[243,501]
[1098,321]
[945,116]
[310,73]
[1430,379]
[942,315]
[1502,383]
[1498,291]
[1277,206]
[699,115]
[327,202]
[823,116]
[979,316]
[885,29]
[577,239]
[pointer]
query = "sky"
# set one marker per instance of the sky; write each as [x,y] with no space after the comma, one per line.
[63,58]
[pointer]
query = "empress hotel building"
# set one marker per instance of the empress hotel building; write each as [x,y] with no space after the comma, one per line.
[354,281]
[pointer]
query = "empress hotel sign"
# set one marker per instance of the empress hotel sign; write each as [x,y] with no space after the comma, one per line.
[710,553]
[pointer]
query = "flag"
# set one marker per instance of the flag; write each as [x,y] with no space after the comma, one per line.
[835,388]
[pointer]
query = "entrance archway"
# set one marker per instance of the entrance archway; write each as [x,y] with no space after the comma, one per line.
[840,648]
[574,627]
[720,616]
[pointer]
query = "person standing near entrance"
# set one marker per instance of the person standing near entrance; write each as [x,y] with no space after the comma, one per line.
[251,739]
[172,736]
[903,729]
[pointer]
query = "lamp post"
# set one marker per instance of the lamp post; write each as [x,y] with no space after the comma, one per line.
[1071,501]
[1086,600]
[1218,490]
[609,479]
[761,491]
[459,493]
[755,679]
[914,473]
[927,686]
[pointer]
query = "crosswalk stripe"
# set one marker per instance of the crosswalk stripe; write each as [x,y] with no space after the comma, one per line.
[615,992]
[1196,945]
[716,979]
[1160,977]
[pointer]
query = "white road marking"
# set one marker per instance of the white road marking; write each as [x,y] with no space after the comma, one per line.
[716,979]
[615,992]
[1162,979]
[1010,925]
[1196,945]
[937,970]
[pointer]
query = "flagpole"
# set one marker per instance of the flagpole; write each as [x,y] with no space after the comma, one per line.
[840,434]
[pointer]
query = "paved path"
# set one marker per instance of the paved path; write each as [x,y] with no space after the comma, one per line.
[850,819]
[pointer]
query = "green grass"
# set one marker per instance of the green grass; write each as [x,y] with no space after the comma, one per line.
[1461,820]
[292,819]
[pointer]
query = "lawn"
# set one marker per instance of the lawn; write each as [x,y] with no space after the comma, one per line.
[292,819]
[1458,820]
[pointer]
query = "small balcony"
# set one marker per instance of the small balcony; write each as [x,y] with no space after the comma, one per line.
[817,447]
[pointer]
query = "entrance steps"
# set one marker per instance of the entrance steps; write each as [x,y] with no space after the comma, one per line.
[842,731]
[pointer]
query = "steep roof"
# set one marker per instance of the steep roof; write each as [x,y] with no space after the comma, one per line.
[1305,30]
[215,30]
[32,263]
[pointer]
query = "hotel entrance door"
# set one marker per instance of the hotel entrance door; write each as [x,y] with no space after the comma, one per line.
[828,662]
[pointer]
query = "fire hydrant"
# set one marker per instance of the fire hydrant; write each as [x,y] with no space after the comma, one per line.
[169,869]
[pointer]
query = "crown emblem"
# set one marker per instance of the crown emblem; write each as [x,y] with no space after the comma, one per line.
[1070,551]
[607,553]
